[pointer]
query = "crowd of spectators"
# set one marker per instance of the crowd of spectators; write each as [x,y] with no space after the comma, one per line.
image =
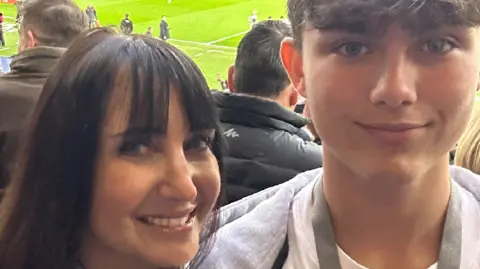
[331,139]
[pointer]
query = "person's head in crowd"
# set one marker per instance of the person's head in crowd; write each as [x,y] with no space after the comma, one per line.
[53,23]
[123,161]
[258,69]
[164,18]
[149,29]
[269,18]
[467,152]
[127,16]
[391,84]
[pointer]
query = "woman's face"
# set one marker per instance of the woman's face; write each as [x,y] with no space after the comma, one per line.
[151,197]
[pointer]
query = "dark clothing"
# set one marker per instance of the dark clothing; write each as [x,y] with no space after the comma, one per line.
[19,92]
[266,145]
[126,26]
[299,108]
[452,157]
[164,30]
[2,38]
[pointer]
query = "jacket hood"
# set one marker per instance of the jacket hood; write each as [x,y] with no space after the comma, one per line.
[36,60]
[253,111]
[253,230]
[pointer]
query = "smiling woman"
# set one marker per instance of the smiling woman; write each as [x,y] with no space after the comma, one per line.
[122,165]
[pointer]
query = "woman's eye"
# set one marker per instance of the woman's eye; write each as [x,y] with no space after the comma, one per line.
[198,142]
[352,49]
[438,46]
[134,149]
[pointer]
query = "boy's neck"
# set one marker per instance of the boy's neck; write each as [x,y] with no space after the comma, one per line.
[388,223]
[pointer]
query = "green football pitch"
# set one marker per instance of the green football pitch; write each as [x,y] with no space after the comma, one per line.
[207,30]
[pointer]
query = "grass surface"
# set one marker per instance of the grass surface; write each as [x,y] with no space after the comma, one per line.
[207,30]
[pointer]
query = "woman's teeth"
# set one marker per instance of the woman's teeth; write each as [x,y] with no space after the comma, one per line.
[167,223]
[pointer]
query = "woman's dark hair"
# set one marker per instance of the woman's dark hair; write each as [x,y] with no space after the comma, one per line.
[46,208]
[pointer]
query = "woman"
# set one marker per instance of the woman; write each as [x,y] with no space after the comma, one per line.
[122,165]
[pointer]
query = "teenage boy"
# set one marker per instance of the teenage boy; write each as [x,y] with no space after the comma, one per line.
[390,85]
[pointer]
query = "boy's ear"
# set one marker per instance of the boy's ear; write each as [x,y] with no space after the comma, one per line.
[293,63]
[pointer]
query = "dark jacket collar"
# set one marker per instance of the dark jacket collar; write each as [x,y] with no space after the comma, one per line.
[257,112]
[36,60]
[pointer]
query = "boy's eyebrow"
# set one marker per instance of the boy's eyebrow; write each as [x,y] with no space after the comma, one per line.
[359,28]
[377,29]
[345,22]
[366,19]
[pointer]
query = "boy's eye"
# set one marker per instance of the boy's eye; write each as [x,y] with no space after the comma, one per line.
[352,49]
[438,46]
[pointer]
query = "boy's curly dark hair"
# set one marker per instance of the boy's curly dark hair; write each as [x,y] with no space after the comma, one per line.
[415,15]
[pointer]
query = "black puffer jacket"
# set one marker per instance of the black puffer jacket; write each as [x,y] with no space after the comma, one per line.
[266,145]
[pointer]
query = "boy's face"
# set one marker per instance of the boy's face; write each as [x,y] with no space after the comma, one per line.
[387,105]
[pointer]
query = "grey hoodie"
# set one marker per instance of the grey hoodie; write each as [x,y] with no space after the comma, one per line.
[254,229]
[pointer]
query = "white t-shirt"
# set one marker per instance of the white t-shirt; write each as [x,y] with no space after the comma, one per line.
[302,249]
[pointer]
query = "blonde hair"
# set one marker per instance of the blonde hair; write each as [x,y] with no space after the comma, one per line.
[468,149]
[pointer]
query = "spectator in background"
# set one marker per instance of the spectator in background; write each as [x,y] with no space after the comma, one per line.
[285,20]
[266,143]
[126,25]
[252,20]
[47,29]
[19,4]
[223,83]
[149,31]
[467,151]
[164,29]
[2,37]
[92,16]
